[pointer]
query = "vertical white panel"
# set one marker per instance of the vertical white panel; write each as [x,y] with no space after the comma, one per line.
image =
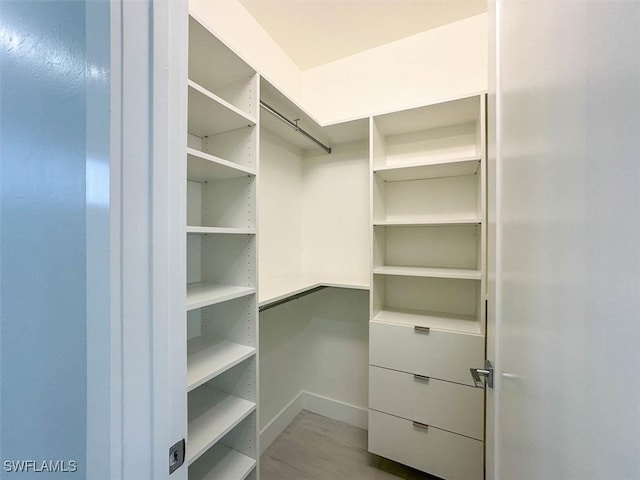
[148,218]
[568,235]
[492,130]
[168,242]
[335,201]
[280,210]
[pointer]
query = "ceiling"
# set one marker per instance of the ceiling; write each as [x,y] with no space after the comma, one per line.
[315,32]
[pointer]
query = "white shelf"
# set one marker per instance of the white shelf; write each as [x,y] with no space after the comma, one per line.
[428,221]
[226,230]
[275,289]
[202,167]
[203,294]
[448,168]
[209,425]
[457,273]
[435,320]
[209,357]
[222,463]
[210,114]
[454,111]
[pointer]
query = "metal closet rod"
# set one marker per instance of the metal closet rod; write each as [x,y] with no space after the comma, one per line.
[290,298]
[295,126]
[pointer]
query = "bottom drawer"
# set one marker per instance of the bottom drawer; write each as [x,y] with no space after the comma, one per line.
[435,451]
[449,406]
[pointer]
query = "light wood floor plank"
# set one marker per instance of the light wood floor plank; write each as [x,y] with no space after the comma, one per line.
[314,447]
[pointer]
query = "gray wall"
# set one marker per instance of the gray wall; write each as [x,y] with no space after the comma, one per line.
[43,254]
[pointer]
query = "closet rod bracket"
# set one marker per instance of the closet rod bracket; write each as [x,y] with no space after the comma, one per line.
[294,124]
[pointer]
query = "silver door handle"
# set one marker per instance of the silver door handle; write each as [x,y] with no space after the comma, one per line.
[486,372]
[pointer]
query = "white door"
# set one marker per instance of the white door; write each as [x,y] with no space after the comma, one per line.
[568,241]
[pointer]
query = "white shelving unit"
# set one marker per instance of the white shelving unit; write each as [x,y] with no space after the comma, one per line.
[221,259]
[428,283]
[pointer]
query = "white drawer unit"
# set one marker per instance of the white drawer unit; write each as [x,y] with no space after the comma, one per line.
[434,353]
[441,453]
[446,405]
[428,283]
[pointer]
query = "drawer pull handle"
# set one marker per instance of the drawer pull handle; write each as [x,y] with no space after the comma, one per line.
[419,329]
[422,378]
[423,426]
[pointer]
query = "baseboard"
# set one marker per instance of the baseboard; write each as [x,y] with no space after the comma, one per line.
[281,421]
[342,411]
[325,406]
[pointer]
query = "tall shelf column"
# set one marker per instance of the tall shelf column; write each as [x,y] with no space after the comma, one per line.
[427,323]
[221,258]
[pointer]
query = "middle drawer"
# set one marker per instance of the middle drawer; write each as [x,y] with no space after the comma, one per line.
[449,406]
[440,354]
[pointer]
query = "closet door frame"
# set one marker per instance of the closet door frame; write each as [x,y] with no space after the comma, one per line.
[136,398]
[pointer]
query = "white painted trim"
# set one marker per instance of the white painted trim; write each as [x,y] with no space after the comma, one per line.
[280,422]
[147,349]
[168,241]
[321,405]
[337,410]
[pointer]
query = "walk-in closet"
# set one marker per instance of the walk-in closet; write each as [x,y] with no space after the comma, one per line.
[335,271]
[319,240]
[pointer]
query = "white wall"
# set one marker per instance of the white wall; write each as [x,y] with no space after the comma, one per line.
[337,347]
[280,209]
[282,358]
[335,231]
[446,62]
[314,354]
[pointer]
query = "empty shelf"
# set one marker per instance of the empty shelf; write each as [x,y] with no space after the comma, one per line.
[222,463]
[275,289]
[210,114]
[202,167]
[451,168]
[458,273]
[227,230]
[208,425]
[428,221]
[203,294]
[209,357]
[434,320]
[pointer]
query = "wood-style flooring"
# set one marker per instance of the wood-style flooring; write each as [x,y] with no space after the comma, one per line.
[314,447]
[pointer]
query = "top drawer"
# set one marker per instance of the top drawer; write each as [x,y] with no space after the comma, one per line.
[437,354]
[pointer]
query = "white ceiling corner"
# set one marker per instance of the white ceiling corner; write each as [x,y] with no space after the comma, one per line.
[316,32]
